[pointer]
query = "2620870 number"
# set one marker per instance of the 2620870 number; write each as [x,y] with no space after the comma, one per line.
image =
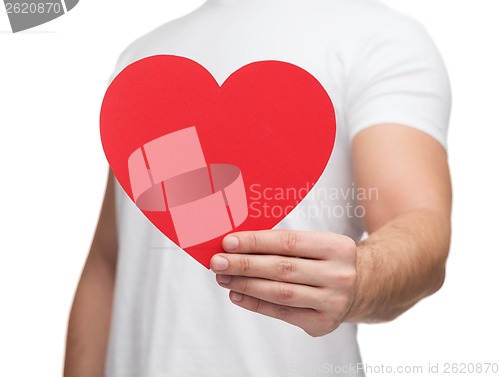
[470,368]
[33,8]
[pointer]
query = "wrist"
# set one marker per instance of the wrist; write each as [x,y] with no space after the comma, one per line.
[365,264]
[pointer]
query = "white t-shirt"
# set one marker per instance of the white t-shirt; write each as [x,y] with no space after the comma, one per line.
[170,317]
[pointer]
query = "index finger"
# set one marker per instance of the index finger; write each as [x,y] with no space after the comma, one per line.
[295,243]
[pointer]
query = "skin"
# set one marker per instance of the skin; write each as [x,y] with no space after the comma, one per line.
[90,316]
[317,280]
[314,280]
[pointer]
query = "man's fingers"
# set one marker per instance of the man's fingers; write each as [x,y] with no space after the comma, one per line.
[311,321]
[313,245]
[295,295]
[273,267]
[303,278]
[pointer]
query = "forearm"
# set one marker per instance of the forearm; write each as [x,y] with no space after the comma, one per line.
[90,321]
[399,264]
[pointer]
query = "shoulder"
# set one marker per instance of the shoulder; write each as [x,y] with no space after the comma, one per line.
[377,20]
[384,36]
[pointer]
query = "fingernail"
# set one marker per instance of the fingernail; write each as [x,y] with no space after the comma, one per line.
[224,279]
[236,297]
[230,243]
[219,263]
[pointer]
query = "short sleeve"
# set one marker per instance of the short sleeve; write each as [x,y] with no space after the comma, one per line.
[399,77]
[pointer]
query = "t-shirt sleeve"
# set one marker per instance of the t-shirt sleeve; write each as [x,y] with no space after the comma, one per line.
[399,77]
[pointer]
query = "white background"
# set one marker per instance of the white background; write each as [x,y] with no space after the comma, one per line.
[53,171]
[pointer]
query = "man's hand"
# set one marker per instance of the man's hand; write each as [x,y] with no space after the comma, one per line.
[333,281]
[305,278]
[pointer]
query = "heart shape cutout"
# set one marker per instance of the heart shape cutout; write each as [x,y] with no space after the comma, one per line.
[201,159]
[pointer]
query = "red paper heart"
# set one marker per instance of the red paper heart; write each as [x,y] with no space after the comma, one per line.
[272,120]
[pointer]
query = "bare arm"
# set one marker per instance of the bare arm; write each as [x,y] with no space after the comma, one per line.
[335,280]
[403,260]
[91,312]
